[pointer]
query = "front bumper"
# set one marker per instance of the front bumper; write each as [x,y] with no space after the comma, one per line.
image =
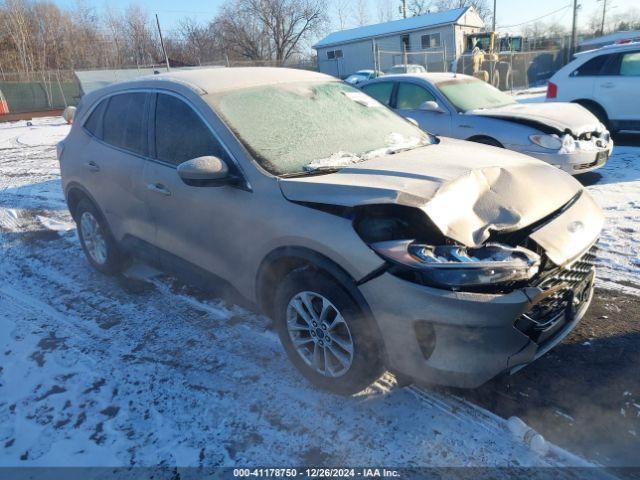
[465,339]
[577,162]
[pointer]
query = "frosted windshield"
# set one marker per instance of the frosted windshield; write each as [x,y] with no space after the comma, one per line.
[473,94]
[295,127]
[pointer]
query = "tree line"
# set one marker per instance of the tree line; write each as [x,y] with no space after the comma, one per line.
[36,35]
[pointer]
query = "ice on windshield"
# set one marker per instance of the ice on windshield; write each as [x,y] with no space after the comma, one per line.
[473,94]
[293,127]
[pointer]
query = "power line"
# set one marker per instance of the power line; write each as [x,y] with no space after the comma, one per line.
[537,18]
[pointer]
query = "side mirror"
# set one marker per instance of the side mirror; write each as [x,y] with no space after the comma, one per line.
[205,172]
[431,106]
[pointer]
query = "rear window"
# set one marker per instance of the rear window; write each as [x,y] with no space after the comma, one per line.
[123,123]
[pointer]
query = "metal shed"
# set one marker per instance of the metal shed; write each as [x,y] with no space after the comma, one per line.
[432,40]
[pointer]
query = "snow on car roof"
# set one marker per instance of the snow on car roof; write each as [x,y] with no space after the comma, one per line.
[387,28]
[216,80]
[431,77]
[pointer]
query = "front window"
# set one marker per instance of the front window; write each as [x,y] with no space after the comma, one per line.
[411,96]
[472,94]
[299,127]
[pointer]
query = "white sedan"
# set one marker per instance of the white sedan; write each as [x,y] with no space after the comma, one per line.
[459,106]
[606,81]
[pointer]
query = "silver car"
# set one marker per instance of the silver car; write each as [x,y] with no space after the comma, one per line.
[563,134]
[371,244]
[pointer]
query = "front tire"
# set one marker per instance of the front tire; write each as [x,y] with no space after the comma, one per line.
[96,239]
[326,335]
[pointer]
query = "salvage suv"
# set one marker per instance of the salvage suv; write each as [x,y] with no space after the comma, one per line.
[372,244]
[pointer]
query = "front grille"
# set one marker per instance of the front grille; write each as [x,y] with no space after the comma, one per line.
[570,287]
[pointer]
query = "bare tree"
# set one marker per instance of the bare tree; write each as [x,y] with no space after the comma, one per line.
[270,29]
[385,10]
[341,11]
[361,12]
[481,6]
[419,7]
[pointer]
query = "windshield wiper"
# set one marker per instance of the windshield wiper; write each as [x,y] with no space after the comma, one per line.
[316,171]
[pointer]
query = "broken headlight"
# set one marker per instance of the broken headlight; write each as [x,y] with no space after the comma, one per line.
[552,142]
[456,266]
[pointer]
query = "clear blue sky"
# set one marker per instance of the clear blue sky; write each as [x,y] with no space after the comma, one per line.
[510,12]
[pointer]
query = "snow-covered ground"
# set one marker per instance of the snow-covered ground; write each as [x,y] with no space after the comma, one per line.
[97,370]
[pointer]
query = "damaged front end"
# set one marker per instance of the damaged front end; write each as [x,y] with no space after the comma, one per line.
[485,268]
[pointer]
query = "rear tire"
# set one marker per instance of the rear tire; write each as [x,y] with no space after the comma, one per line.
[96,239]
[326,335]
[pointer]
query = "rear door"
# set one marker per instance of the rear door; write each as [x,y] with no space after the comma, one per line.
[198,224]
[114,159]
[617,88]
[408,99]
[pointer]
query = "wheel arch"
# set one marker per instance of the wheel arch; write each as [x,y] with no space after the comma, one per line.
[279,262]
[484,139]
[74,194]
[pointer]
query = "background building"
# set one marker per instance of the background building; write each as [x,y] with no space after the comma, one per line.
[432,40]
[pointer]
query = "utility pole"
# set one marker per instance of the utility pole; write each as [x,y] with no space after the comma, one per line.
[574,30]
[403,9]
[604,13]
[166,58]
[493,29]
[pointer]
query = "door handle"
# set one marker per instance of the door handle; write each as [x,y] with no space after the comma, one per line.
[159,188]
[608,85]
[92,166]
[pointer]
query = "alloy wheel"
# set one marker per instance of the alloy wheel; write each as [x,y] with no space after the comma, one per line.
[93,238]
[320,334]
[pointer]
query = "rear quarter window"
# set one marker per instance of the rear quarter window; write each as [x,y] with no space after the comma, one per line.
[94,122]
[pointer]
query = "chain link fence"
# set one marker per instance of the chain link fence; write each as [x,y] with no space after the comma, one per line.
[39,91]
[430,60]
[506,71]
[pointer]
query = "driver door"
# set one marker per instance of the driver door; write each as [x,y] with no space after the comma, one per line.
[409,98]
[194,223]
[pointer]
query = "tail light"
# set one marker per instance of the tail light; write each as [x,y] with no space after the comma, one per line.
[552,90]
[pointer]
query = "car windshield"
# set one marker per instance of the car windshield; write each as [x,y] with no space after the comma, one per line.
[298,127]
[473,94]
[356,77]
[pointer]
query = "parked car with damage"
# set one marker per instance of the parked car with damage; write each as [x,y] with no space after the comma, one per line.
[605,81]
[460,106]
[372,244]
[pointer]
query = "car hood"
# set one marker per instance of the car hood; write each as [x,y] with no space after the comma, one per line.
[549,117]
[467,190]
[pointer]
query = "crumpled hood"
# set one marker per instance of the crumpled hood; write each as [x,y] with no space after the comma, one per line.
[466,189]
[558,116]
